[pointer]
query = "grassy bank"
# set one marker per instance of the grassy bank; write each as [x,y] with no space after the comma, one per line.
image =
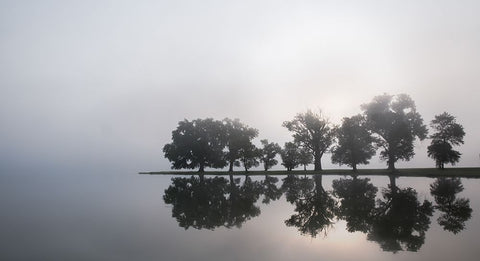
[406,172]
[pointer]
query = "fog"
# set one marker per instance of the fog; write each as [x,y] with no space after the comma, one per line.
[100,85]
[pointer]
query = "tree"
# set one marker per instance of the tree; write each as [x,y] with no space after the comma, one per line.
[290,155]
[268,154]
[249,156]
[447,134]
[238,138]
[198,143]
[355,143]
[312,131]
[304,157]
[396,124]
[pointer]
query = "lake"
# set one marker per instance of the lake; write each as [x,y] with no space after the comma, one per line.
[126,216]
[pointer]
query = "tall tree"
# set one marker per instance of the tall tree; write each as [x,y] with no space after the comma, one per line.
[249,156]
[355,143]
[268,154]
[448,133]
[238,139]
[290,155]
[312,131]
[198,143]
[304,157]
[396,124]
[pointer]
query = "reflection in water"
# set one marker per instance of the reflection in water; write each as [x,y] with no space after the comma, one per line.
[357,202]
[400,221]
[314,208]
[397,222]
[212,202]
[455,211]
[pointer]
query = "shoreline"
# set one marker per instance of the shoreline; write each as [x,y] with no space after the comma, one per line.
[472,172]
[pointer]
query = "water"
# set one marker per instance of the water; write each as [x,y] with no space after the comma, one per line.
[126,216]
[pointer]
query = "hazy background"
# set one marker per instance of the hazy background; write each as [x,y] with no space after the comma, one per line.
[100,85]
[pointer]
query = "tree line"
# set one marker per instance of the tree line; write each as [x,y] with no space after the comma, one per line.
[388,123]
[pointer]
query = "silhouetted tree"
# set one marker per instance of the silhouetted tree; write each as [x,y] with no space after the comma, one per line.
[249,156]
[355,143]
[447,133]
[455,211]
[268,154]
[238,139]
[290,156]
[314,211]
[395,123]
[198,143]
[312,131]
[400,221]
[357,202]
[304,157]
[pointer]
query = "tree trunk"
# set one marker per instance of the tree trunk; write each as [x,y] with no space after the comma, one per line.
[202,168]
[305,167]
[231,166]
[354,167]
[391,162]
[318,161]
[202,178]
[231,179]
[265,166]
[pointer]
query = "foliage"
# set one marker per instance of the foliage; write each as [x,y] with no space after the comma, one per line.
[270,190]
[238,140]
[395,123]
[304,157]
[355,143]
[312,131]
[198,143]
[268,154]
[447,134]
[249,156]
[290,156]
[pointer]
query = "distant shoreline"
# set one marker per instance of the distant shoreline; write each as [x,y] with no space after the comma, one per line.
[402,172]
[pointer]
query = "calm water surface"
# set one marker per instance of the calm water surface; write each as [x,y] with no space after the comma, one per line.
[125,216]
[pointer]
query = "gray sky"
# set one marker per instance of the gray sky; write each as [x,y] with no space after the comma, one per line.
[101,84]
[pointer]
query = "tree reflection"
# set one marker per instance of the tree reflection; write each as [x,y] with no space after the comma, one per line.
[357,202]
[270,190]
[314,206]
[400,221]
[241,201]
[207,203]
[455,211]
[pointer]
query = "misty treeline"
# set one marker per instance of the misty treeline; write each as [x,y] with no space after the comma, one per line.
[389,123]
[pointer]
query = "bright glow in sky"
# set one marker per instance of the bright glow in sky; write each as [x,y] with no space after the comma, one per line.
[105,82]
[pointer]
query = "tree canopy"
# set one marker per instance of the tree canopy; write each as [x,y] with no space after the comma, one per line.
[396,124]
[268,154]
[354,143]
[290,156]
[238,141]
[197,144]
[312,131]
[448,133]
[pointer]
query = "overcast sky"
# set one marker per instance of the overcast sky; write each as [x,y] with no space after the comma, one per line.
[103,83]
